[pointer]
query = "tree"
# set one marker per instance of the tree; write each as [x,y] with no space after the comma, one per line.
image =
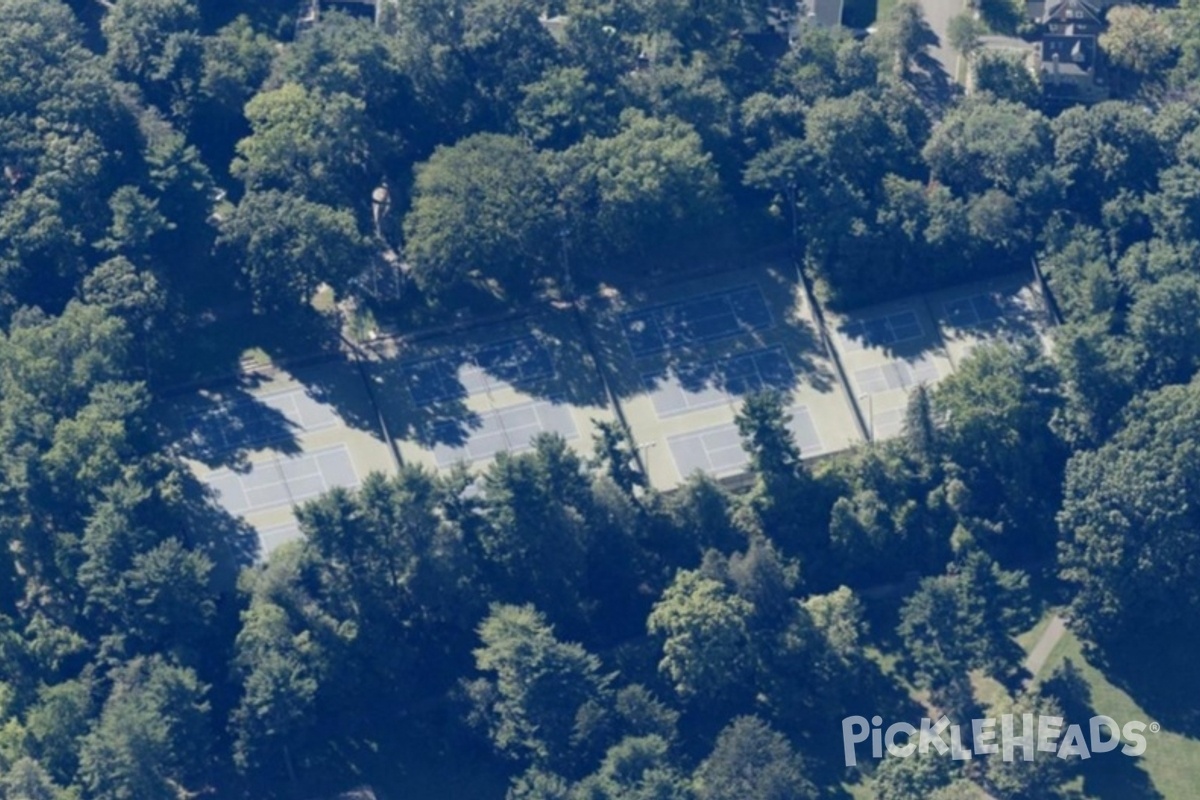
[1127,524]
[1099,375]
[998,409]
[1187,32]
[69,141]
[27,780]
[308,143]
[917,776]
[1175,209]
[1164,326]
[636,768]
[783,485]
[864,136]
[762,424]
[1016,779]
[1139,39]
[963,33]
[353,57]
[1103,149]
[613,454]
[1006,76]
[535,687]
[57,721]
[536,538]
[156,44]
[687,91]
[706,636]
[981,145]
[563,106]
[750,760]
[237,60]
[152,739]
[1079,268]
[124,291]
[281,671]
[135,222]
[904,37]
[920,427]
[639,192]
[482,209]
[962,621]
[1002,16]
[505,47]
[287,246]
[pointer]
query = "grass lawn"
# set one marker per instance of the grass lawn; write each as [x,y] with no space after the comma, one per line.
[1170,767]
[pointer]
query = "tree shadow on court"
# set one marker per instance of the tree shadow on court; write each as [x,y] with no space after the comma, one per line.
[1001,316]
[920,325]
[221,426]
[230,541]
[424,388]
[1106,776]
[422,400]
[755,342]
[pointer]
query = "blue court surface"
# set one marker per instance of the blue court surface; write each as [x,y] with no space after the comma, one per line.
[718,451]
[896,374]
[731,378]
[283,480]
[252,423]
[967,312]
[511,429]
[442,379]
[695,320]
[882,331]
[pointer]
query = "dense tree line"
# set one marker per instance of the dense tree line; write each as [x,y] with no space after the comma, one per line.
[557,622]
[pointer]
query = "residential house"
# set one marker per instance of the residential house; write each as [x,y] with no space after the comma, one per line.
[1069,63]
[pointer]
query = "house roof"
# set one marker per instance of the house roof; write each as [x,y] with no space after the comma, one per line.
[1068,55]
[1072,12]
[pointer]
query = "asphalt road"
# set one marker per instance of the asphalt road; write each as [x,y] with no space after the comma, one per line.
[938,14]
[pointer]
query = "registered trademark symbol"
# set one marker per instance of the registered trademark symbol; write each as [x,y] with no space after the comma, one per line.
[1155,727]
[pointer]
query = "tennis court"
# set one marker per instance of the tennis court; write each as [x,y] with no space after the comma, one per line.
[512,429]
[464,395]
[881,331]
[897,374]
[251,423]
[996,309]
[886,424]
[283,480]
[485,368]
[697,320]
[976,310]
[688,389]
[718,450]
[277,535]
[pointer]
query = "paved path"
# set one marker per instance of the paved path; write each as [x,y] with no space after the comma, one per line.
[1045,645]
[938,14]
